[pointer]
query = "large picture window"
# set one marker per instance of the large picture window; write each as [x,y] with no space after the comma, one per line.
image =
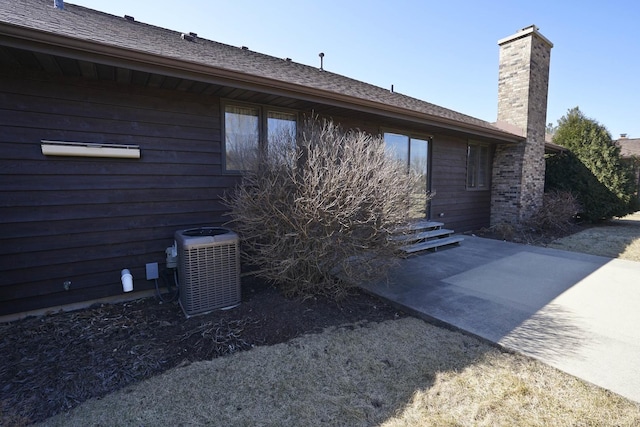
[252,131]
[478,166]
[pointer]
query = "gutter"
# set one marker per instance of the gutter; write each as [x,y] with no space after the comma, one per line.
[50,43]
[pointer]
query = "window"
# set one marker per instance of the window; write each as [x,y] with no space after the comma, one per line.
[241,126]
[478,166]
[281,134]
[252,131]
[412,154]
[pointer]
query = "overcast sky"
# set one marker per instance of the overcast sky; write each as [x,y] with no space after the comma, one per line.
[443,52]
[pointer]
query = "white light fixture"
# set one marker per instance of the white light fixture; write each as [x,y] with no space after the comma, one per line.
[89,149]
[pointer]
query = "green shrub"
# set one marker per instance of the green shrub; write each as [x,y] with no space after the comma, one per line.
[566,172]
[592,169]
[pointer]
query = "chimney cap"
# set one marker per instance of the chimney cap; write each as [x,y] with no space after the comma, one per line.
[623,136]
[531,30]
[530,27]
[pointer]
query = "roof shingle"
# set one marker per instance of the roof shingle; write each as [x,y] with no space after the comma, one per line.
[77,22]
[629,147]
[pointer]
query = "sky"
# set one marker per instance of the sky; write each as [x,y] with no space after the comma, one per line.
[443,52]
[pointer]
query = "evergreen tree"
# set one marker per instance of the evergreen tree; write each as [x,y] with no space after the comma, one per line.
[593,169]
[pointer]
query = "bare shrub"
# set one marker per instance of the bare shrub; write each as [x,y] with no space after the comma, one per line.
[558,211]
[322,209]
[504,230]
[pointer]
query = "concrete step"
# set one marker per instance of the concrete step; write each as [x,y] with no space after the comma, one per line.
[422,235]
[420,225]
[432,244]
[424,224]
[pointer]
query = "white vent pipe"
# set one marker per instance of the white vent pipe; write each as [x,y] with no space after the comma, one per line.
[127,281]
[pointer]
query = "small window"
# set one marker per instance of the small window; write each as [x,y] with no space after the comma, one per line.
[253,131]
[478,166]
[242,137]
[397,146]
[281,134]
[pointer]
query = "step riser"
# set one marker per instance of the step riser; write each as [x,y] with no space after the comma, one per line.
[432,244]
[420,226]
[424,235]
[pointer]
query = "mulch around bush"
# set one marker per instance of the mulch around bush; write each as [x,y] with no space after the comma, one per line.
[53,363]
[528,235]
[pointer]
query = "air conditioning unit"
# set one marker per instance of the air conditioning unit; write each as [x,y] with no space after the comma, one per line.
[208,269]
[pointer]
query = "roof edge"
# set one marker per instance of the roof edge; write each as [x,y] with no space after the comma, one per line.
[46,42]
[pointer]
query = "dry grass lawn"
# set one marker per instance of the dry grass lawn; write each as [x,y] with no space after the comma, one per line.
[397,373]
[616,239]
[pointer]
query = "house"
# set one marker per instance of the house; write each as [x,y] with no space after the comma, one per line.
[115,133]
[630,154]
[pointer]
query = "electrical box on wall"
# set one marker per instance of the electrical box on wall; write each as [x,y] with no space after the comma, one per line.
[152,271]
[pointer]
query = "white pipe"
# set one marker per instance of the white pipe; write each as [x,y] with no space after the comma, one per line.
[127,281]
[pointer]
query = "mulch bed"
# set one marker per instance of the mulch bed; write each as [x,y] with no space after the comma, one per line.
[53,363]
[527,235]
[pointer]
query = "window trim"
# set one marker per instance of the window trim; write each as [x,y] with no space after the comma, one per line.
[263,117]
[488,166]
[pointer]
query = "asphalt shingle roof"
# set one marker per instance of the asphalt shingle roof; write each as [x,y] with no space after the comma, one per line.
[77,22]
[629,147]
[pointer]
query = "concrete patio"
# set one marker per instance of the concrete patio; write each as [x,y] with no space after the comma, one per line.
[579,313]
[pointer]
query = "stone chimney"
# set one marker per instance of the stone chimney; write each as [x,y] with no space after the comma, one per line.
[518,169]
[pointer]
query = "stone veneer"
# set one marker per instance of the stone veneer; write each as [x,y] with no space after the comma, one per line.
[518,169]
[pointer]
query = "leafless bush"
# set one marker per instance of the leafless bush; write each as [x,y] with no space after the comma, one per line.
[504,230]
[315,216]
[558,211]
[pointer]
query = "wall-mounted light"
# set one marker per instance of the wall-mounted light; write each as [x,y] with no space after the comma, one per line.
[89,149]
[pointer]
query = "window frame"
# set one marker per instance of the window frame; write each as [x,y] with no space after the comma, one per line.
[477,172]
[263,130]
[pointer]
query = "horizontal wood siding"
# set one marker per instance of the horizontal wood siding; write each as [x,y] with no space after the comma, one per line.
[463,209]
[85,219]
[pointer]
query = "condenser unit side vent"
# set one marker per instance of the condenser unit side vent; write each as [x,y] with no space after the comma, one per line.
[208,269]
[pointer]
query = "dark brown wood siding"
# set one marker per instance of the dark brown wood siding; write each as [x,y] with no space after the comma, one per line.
[85,219]
[463,209]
